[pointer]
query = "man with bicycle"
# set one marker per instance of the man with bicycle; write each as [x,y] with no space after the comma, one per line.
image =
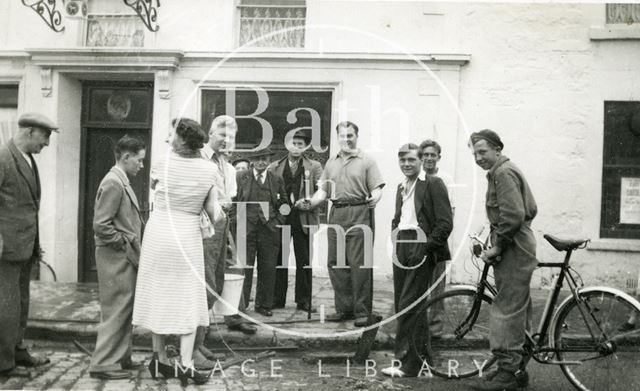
[510,209]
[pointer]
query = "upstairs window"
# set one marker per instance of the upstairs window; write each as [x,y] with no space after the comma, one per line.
[112,24]
[620,213]
[620,13]
[272,23]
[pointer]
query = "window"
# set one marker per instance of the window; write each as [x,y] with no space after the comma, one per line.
[301,107]
[620,213]
[112,24]
[269,23]
[619,13]
[8,111]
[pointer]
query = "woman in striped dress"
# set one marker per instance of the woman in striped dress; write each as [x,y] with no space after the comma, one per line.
[171,292]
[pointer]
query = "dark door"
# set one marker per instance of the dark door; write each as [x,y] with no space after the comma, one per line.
[107,116]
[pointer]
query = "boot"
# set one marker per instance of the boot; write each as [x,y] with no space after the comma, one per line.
[502,380]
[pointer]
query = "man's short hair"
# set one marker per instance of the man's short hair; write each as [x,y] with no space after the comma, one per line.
[347,124]
[129,144]
[223,121]
[431,143]
[406,148]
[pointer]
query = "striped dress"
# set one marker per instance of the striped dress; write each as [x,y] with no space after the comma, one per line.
[170,291]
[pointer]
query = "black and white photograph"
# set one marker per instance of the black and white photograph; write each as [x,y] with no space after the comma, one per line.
[316,195]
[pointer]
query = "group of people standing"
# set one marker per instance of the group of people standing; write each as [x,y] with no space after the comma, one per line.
[168,281]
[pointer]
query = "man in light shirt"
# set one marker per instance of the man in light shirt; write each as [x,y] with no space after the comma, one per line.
[420,229]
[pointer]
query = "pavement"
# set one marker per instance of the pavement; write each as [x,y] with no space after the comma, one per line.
[70,311]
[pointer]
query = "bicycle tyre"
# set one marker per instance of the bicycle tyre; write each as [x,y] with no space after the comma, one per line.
[607,363]
[450,357]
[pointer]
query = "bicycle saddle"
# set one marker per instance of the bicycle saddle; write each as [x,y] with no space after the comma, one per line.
[564,244]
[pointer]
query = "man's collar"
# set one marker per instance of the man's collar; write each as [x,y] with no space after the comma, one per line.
[207,151]
[122,173]
[501,160]
[358,153]
[255,173]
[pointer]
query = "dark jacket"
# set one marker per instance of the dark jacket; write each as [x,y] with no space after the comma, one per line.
[433,212]
[19,205]
[310,178]
[278,197]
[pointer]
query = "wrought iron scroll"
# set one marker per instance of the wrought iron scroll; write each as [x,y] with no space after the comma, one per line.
[146,11]
[47,11]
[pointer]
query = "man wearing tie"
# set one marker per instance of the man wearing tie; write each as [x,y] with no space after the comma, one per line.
[256,227]
[420,229]
[301,176]
[19,241]
[117,227]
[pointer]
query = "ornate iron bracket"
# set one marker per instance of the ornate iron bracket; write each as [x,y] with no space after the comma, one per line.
[47,11]
[146,11]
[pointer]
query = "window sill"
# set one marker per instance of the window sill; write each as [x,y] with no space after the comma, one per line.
[623,245]
[615,32]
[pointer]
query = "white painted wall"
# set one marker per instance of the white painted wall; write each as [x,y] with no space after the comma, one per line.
[535,77]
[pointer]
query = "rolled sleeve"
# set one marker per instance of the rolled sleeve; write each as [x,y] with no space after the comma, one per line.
[374,178]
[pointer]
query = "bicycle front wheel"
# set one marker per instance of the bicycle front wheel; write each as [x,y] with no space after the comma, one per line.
[601,352]
[459,334]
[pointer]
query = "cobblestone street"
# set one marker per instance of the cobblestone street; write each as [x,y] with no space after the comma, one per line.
[293,370]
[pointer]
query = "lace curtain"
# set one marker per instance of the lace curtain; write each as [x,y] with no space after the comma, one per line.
[115,30]
[272,26]
[623,13]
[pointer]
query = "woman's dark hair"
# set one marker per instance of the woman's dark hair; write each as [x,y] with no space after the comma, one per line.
[190,132]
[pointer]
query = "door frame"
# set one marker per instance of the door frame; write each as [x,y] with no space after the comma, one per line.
[84,232]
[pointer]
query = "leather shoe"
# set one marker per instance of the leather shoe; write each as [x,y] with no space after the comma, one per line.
[130,364]
[111,375]
[244,328]
[16,372]
[211,355]
[305,307]
[25,359]
[340,317]
[264,311]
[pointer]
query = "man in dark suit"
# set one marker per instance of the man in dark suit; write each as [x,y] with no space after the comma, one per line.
[420,229]
[117,225]
[300,175]
[19,205]
[255,227]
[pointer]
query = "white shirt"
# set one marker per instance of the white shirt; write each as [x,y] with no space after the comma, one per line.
[408,219]
[26,157]
[228,174]
[263,175]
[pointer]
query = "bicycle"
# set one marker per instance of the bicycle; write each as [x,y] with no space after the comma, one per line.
[583,335]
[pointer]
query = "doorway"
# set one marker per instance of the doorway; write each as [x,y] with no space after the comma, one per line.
[109,111]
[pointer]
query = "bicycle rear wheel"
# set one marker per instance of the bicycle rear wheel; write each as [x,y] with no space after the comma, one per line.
[607,355]
[459,343]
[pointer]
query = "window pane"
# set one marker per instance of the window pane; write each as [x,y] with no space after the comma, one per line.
[618,13]
[274,25]
[280,104]
[9,95]
[621,159]
[273,2]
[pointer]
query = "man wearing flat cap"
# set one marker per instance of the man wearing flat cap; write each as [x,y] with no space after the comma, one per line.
[19,205]
[301,175]
[510,208]
[255,226]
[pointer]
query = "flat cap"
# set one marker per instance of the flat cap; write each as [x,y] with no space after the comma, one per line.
[28,120]
[489,135]
[259,153]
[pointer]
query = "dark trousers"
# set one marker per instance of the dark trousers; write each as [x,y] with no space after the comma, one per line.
[352,283]
[14,309]
[303,271]
[409,285]
[263,244]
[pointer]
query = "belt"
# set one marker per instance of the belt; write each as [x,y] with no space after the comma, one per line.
[345,203]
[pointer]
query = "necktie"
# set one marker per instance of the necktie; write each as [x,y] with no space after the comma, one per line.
[259,178]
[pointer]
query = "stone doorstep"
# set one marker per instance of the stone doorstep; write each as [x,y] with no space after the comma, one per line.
[85,333]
